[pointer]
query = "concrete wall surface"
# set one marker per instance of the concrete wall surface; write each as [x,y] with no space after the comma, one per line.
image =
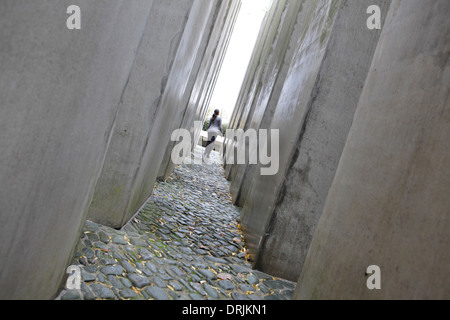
[60,91]
[215,47]
[137,114]
[266,100]
[82,120]
[190,47]
[252,77]
[86,118]
[388,205]
[324,130]
[290,112]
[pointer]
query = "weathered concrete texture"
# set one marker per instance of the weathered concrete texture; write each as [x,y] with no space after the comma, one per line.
[60,91]
[322,139]
[314,115]
[289,114]
[140,151]
[205,97]
[251,81]
[87,116]
[266,100]
[177,84]
[137,113]
[389,203]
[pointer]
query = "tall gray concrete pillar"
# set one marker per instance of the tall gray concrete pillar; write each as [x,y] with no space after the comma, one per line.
[60,92]
[156,95]
[196,29]
[202,96]
[389,203]
[215,48]
[314,114]
[137,114]
[267,33]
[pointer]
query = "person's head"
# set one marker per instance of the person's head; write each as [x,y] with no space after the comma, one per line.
[217,112]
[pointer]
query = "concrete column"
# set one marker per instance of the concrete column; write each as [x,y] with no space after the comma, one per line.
[138,112]
[210,65]
[253,63]
[389,203]
[250,84]
[264,103]
[314,115]
[60,92]
[196,29]
[213,73]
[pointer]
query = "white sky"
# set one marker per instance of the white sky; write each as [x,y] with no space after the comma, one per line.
[238,56]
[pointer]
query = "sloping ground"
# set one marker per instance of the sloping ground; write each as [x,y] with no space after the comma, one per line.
[184,244]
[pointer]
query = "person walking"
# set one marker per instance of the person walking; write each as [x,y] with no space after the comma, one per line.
[214,129]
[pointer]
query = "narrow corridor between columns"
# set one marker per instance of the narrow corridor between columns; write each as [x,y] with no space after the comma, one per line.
[185,244]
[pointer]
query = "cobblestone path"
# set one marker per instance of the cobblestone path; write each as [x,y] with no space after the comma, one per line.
[184,244]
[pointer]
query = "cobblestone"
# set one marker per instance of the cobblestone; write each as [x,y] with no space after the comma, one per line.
[184,244]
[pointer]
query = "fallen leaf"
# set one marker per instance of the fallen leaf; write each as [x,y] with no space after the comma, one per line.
[224,276]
